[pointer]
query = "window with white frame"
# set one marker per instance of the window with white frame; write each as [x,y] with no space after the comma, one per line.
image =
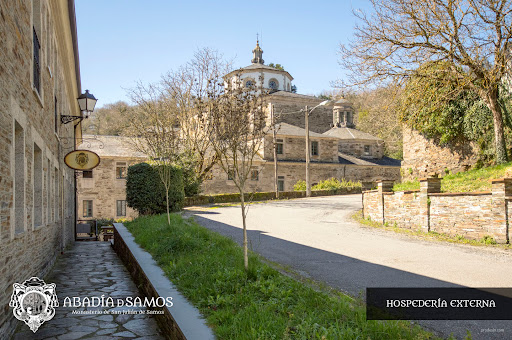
[120,208]
[87,207]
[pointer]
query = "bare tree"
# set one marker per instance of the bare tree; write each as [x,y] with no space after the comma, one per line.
[154,128]
[471,37]
[111,119]
[196,81]
[238,124]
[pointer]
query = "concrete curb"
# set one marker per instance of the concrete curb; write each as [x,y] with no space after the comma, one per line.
[182,320]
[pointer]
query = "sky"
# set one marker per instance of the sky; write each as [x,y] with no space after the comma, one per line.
[121,42]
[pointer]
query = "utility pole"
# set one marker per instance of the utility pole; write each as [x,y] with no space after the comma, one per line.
[274,142]
[308,183]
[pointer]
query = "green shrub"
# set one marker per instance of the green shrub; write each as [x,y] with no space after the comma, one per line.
[300,186]
[328,184]
[334,184]
[145,191]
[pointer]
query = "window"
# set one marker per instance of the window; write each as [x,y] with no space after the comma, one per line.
[38,186]
[349,118]
[255,175]
[273,84]
[87,174]
[36,45]
[19,178]
[121,208]
[56,195]
[314,148]
[249,83]
[367,150]
[280,183]
[121,170]
[231,174]
[56,116]
[36,61]
[279,146]
[87,205]
[48,193]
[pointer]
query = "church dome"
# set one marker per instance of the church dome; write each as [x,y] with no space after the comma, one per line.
[258,74]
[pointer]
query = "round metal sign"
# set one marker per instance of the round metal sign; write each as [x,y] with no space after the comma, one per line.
[82,160]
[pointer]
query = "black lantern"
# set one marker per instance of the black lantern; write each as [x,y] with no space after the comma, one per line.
[86,102]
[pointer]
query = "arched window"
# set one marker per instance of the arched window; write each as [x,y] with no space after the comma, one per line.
[273,84]
[249,83]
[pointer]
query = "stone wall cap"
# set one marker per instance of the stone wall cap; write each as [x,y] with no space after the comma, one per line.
[501,180]
[187,317]
[473,193]
[424,179]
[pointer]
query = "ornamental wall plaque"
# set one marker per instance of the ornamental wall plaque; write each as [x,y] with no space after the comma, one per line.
[82,160]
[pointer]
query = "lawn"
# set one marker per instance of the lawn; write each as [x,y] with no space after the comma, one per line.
[472,180]
[261,303]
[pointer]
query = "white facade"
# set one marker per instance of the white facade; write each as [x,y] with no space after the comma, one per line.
[257,74]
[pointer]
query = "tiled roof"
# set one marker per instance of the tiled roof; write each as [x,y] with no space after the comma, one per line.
[113,146]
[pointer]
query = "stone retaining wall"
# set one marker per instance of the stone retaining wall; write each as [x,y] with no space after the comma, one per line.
[182,321]
[473,215]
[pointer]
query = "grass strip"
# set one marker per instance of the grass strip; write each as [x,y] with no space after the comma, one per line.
[261,303]
[468,181]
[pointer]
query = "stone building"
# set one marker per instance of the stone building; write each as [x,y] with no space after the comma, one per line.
[337,148]
[101,192]
[39,81]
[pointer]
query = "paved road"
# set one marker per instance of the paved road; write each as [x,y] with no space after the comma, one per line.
[317,238]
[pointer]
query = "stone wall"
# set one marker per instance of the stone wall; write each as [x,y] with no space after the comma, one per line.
[294,149]
[472,215]
[105,189]
[357,148]
[36,198]
[423,156]
[292,172]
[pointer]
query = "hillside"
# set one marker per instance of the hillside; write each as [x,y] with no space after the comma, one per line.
[472,180]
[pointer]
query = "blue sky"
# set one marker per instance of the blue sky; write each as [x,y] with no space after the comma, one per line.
[123,41]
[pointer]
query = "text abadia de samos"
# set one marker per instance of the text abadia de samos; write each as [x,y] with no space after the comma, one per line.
[129,301]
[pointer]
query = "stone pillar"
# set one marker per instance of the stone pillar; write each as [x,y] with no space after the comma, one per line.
[383,186]
[501,190]
[429,185]
[365,186]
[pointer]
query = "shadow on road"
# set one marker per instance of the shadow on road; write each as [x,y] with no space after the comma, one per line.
[353,276]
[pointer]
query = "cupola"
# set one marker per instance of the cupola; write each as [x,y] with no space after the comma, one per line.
[343,114]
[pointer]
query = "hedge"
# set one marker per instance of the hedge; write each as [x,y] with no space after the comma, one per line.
[265,196]
[146,193]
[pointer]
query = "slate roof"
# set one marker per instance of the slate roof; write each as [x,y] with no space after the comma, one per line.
[384,161]
[292,130]
[110,146]
[295,95]
[348,133]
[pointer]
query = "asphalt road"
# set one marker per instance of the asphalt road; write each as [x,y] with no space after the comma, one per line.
[317,238]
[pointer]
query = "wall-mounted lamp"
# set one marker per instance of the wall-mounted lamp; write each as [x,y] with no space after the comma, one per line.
[86,101]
